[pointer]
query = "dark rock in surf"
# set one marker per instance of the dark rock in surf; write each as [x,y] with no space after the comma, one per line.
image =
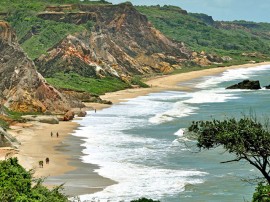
[246,84]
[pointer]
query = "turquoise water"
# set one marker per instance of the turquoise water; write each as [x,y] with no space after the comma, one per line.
[139,143]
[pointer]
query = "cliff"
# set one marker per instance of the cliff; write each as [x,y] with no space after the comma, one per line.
[121,43]
[22,88]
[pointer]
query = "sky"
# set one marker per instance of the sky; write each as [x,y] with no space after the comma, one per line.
[227,10]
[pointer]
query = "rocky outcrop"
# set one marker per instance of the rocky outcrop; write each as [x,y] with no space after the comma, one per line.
[121,43]
[69,116]
[83,96]
[22,88]
[41,118]
[206,59]
[246,84]
[71,17]
[7,140]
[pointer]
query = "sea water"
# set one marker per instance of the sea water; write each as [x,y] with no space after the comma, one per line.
[141,144]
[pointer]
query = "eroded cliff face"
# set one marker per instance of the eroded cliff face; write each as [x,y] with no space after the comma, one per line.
[22,88]
[121,43]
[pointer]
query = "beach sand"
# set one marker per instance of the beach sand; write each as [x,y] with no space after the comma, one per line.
[37,144]
[64,152]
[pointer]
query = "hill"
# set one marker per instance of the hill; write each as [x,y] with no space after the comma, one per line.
[22,88]
[99,44]
[241,40]
[98,47]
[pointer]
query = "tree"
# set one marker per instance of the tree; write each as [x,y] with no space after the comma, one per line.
[16,184]
[247,138]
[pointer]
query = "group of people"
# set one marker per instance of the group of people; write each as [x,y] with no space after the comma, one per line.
[47,160]
[57,134]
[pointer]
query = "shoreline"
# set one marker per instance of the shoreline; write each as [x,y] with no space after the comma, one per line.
[65,152]
[169,82]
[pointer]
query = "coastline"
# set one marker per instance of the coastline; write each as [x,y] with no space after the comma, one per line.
[168,82]
[64,152]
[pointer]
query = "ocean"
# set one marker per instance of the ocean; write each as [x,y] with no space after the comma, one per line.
[140,143]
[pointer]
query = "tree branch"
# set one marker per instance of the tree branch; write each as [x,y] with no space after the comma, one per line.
[234,160]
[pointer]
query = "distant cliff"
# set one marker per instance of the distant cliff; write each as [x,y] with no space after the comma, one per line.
[22,88]
[121,43]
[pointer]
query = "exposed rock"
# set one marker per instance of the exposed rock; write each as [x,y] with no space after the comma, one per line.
[81,95]
[82,114]
[203,17]
[229,26]
[22,88]
[42,118]
[72,17]
[267,87]
[214,58]
[79,112]
[226,58]
[7,139]
[59,8]
[69,116]
[246,84]
[202,61]
[122,42]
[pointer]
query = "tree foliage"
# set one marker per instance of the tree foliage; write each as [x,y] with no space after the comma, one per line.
[247,138]
[262,193]
[17,184]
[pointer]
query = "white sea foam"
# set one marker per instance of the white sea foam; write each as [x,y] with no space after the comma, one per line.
[179,110]
[180,132]
[134,161]
[230,75]
[185,107]
[210,96]
[136,182]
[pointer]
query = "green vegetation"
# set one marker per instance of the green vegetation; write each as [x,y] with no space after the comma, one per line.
[262,193]
[4,124]
[50,35]
[76,82]
[47,33]
[201,33]
[137,80]
[17,184]
[39,5]
[246,138]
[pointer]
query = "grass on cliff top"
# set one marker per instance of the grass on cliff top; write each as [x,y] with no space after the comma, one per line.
[39,5]
[199,35]
[50,34]
[37,35]
[47,33]
[97,86]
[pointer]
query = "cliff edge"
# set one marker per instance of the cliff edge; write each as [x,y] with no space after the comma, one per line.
[22,88]
[121,43]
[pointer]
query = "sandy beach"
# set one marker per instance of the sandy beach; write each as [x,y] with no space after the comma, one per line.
[65,164]
[37,144]
[169,82]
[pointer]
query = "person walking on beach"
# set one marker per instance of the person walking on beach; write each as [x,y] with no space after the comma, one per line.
[95,111]
[57,134]
[47,160]
[51,134]
[40,164]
